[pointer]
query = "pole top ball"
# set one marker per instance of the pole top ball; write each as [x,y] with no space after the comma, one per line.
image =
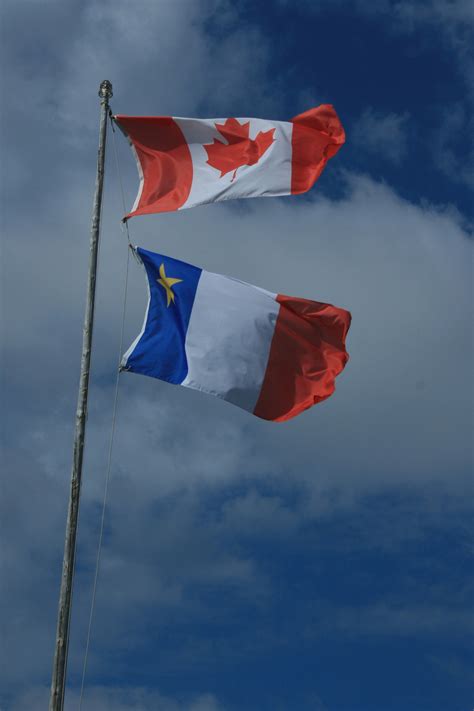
[105,90]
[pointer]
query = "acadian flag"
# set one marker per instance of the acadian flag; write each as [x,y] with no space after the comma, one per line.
[270,354]
[184,162]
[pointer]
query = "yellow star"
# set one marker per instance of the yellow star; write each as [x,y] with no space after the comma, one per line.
[167,283]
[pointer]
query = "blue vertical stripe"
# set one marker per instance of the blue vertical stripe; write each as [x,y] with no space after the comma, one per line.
[160,350]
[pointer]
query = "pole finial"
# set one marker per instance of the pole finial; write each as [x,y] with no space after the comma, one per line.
[105,89]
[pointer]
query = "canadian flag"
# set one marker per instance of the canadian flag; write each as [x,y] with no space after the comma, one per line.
[185,162]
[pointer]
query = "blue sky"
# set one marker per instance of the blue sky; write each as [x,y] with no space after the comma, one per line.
[323,564]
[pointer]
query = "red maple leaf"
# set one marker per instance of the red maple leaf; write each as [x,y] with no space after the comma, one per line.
[239,149]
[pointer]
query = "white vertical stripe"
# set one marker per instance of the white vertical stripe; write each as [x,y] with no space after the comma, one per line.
[228,339]
[271,176]
[127,354]
[139,165]
[141,176]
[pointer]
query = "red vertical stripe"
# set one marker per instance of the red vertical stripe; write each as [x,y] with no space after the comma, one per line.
[165,162]
[306,354]
[317,136]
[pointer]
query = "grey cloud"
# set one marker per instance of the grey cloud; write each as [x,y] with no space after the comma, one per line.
[401,269]
[446,13]
[408,13]
[188,471]
[398,267]
[395,620]
[456,127]
[119,699]
[384,135]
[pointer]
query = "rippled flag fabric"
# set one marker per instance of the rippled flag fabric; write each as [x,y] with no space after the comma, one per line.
[184,162]
[270,354]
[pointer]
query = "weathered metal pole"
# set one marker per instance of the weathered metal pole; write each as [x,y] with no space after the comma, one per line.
[58,682]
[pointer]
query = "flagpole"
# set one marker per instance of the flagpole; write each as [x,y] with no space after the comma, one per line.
[58,682]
